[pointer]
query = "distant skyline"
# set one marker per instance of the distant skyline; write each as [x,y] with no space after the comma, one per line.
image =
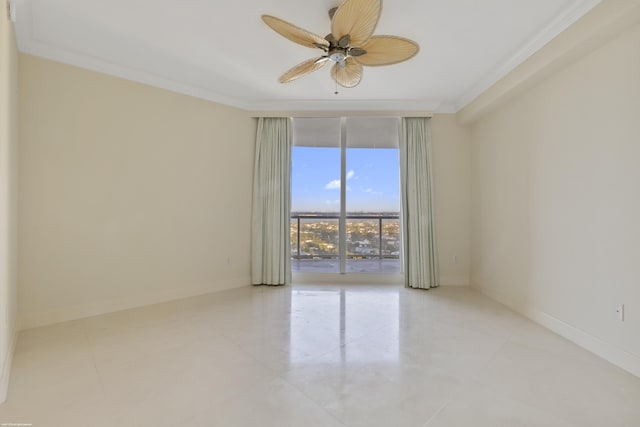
[373,181]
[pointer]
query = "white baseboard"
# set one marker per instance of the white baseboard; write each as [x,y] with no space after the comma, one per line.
[454,280]
[65,314]
[628,361]
[6,369]
[619,357]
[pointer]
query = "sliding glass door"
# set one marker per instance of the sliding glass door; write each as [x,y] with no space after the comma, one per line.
[345,196]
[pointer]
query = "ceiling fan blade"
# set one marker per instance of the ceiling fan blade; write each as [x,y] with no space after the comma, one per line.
[349,75]
[357,18]
[295,34]
[386,50]
[303,69]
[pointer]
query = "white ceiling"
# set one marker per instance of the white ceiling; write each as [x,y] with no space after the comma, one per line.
[222,51]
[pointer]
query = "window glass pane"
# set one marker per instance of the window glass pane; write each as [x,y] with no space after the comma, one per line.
[373,181]
[315,195]
[373,196]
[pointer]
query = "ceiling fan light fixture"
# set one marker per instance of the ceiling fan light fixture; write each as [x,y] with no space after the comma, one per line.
[337,55]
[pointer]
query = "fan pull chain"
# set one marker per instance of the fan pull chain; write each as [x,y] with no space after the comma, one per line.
[336,92]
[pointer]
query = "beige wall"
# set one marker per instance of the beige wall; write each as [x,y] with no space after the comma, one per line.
[556,201]
[452,186]
[8,196]
[132,195]
[129,195]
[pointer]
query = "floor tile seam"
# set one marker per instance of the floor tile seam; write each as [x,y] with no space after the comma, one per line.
[475,330]
[244,346]
[172,346]
[361,337]
[474,377]
[243,391]
[127,362]
[496,389]
[542,409]
[532,405]
[320,354]
[238,393]
[581,352]
[330,351]
[94,361]
[99,368]
[501,395]
[489,356]
[138,359]
[490,359]
[247,353]
[438,412]
[315,402]
[460,381]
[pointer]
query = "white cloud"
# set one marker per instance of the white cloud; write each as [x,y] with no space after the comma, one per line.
[333,185]
[371,191]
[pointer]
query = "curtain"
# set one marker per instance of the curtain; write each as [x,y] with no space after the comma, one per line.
[418,228]
[270,231]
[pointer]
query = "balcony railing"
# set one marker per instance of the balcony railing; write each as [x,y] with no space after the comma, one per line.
[369,236]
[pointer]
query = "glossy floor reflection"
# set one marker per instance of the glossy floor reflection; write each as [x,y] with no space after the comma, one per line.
[327,265]
[315,356]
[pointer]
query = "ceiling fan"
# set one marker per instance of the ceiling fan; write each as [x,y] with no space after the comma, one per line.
[349,46]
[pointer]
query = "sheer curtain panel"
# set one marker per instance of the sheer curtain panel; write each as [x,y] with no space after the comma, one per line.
[418,228]
[270,231]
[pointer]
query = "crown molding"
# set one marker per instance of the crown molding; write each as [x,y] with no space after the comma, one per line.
[30,44]
[601,24]
[340,113]
[569,16]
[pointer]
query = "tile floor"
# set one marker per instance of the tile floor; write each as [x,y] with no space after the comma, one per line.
[373,266]
[315,356]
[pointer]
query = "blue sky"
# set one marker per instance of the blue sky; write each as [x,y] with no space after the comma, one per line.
[372,180]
